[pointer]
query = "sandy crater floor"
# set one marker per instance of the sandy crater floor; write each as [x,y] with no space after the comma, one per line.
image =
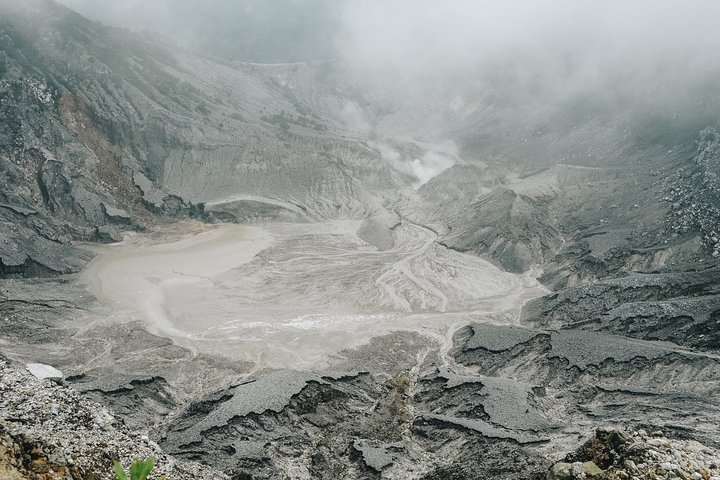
[292,295]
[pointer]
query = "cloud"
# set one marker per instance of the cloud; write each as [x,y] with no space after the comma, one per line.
[561,43]
[432,161]
[355,118]
[430,69]
[429,165]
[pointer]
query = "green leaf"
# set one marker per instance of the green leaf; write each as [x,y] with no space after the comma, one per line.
[119,473]
[135,470]
[139,470]
[146,467]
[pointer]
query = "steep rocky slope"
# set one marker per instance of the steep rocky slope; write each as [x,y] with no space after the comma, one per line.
[106,131]
[614,454]
[612,206]
[48,431]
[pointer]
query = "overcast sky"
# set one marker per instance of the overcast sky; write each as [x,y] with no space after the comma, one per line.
[561,38]
[573,42]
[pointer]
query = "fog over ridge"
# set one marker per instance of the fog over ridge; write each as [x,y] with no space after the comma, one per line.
[427,37]
[568,45]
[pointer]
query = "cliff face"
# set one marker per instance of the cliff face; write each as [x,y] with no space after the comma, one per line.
[65,155]
[106,131]
[693,192]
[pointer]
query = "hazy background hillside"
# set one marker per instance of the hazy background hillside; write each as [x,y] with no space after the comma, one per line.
[482,74]
[247,30]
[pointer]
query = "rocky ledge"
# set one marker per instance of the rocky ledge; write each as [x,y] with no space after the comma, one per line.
[637,455]
[48,431]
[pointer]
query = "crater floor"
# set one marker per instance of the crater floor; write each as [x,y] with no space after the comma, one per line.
[290,295]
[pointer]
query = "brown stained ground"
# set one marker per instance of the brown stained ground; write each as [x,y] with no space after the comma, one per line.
[22,459]
[77,114]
